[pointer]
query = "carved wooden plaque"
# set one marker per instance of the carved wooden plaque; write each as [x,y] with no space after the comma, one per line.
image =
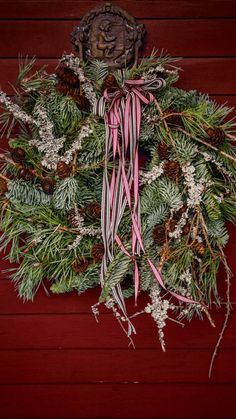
[109,34]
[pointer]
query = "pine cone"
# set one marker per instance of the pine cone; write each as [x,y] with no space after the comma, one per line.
[199,247]
[63,170]
[186,228]
[66,89]
[67,75]
[73,218]
[159,234]
[170,224]
[48,185]
[93,209]
[17,154]
[215,136]
[171,169]
[80,265]
[178,214]
[83,103]
[163,151]
[172,117]
[3,186]
[109,82]
[26,174]
[98,252]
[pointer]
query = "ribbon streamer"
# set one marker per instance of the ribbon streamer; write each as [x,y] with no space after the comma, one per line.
[124,114]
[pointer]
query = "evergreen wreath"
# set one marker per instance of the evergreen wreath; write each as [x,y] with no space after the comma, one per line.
[51,188]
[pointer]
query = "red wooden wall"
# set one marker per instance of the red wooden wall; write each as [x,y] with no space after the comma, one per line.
[55,360]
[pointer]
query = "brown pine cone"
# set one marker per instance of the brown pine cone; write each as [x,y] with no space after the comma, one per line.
[215,136]
[159,234]
[17,154]
[109,82]
[170,224]
[82,102]
[93,209]
[97,252]
[178,214]
[66,89]
[186,228]
[171,169]
[26,174]
[163,151]
[199,247]
[63,170]
[67,75]
[73,218]
[48,185]
[80,265]
[3,186]
[172,117]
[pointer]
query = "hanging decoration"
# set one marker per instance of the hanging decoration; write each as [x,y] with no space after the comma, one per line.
[116,178]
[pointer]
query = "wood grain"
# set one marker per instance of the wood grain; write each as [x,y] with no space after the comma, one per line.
[51,331]
[114,366]
[75,9]
[129,401]
[38,37]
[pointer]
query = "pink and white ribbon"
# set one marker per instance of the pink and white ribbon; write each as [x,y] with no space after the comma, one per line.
[123,122]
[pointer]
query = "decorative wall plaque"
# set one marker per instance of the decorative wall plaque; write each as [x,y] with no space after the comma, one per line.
[109,34]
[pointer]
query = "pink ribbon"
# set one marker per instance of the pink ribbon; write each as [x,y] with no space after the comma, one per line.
[124,114]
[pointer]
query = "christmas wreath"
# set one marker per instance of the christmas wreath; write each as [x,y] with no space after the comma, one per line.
[78,210]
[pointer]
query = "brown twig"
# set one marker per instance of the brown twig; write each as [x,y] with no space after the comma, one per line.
[227,314]
[208,145]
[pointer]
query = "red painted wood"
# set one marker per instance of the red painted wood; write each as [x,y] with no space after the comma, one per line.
[203,39]
[51,331]
[114,366]
[129,401]
[69,382]
[74,9]
[208,75]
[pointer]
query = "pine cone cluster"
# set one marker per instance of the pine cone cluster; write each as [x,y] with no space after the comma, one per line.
[68,84]
[97,252]
[3,186]
[159,234]
[163,151]
[48,185]
[109,83]
[171,169]
[17,154]
[170,224]
[80,265]
[216,136]
[93,209]
[186,228]
[63,170]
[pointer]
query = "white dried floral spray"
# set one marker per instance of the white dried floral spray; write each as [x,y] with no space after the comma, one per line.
[153,174]
[82,230]
[158,309]
[15,110]
[47,143]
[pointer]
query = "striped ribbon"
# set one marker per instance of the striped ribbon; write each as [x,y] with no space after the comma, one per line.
[124,114]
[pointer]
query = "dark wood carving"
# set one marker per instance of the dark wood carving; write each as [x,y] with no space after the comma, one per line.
[109,34]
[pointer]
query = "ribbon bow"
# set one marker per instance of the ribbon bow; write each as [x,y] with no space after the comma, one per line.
[123,122]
